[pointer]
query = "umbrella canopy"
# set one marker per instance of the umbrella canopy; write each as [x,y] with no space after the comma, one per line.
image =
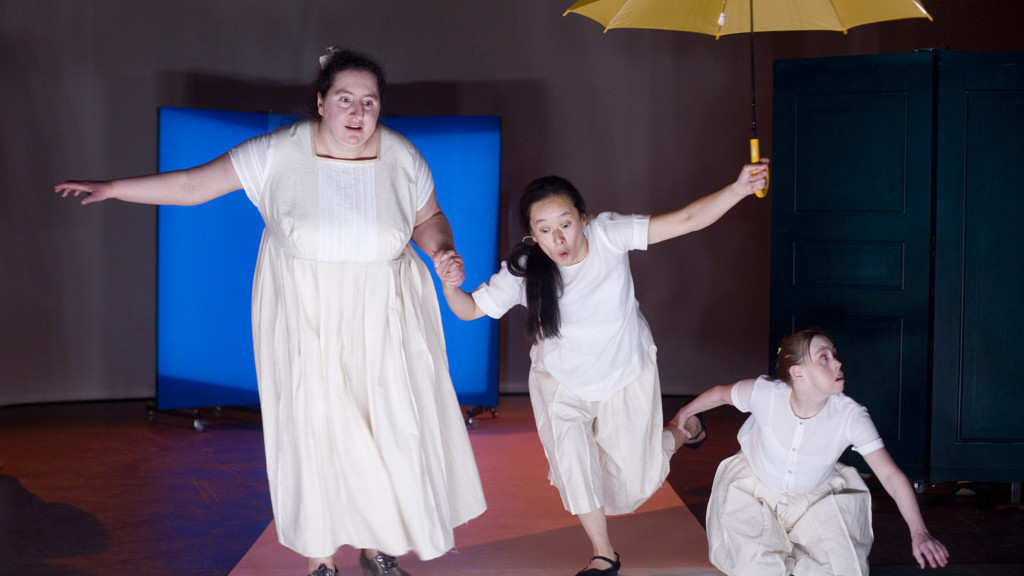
[720,17]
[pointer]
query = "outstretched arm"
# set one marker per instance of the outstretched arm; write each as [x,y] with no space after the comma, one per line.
[711,398]
[927,550]
[705,210]
[462,303]
[181,187]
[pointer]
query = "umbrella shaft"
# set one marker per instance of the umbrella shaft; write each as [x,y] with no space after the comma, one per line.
[753,78]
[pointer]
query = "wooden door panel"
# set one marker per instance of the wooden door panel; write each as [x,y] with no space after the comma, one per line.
[851,229]
[848,152]
[977,429]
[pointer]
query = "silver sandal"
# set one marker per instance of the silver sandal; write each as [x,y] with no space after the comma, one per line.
[381,565]
[323,570]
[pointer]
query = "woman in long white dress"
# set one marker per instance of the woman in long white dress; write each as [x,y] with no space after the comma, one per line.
[365,440]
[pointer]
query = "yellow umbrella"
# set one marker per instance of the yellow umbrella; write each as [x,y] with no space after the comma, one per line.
[720,17]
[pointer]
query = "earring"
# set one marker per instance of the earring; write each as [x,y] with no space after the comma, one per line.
[527,239]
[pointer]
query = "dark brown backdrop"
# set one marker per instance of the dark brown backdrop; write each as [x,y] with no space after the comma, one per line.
[641,121]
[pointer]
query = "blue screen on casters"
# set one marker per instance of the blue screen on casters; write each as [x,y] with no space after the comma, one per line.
[207,256]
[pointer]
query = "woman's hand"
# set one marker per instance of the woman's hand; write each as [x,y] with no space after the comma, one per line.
[449,267]
[90,191]
[929,551]
[753,177]
[686,423]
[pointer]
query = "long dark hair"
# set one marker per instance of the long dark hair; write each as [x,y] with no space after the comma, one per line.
[528,260]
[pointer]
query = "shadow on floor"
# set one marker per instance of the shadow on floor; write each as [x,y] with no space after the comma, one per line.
[34,532]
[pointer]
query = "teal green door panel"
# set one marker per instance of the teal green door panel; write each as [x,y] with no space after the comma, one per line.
[851,229]
[978,424]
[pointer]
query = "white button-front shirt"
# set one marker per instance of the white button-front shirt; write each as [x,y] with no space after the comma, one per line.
[794,455]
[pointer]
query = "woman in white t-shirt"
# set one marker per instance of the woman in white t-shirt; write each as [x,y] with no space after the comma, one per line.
[593,377]
[784,504]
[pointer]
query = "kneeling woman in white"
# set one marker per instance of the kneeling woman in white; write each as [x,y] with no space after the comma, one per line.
[594,376]
[784,504]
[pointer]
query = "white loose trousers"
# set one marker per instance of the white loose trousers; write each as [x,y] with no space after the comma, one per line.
[610,453]
[753,530]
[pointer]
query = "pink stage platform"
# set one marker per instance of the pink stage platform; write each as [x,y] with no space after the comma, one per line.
[525,530]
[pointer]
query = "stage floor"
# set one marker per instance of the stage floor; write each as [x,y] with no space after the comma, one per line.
[525,530]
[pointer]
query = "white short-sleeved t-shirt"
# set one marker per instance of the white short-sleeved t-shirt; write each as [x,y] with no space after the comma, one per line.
[603,336]
[794,455]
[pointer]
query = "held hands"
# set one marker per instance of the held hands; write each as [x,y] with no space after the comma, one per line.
[449,267]
[686,423]
[452,274]
[92,191]
[686,429]
[753,177]
[929,551]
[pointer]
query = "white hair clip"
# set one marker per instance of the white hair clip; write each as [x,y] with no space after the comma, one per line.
[323,59]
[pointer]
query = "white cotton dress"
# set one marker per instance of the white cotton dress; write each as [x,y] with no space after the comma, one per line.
[365,441]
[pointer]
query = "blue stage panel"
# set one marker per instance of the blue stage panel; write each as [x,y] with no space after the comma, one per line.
[207,256]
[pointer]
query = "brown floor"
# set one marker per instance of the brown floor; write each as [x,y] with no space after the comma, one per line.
[107,489]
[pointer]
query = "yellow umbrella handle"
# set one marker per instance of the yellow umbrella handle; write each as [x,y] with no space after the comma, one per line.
[755,157]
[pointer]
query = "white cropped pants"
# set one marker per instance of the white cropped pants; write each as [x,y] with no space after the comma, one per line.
[611,453]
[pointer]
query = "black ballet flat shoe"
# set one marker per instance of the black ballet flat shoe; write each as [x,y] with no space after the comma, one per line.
[702,435]
[612,571]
